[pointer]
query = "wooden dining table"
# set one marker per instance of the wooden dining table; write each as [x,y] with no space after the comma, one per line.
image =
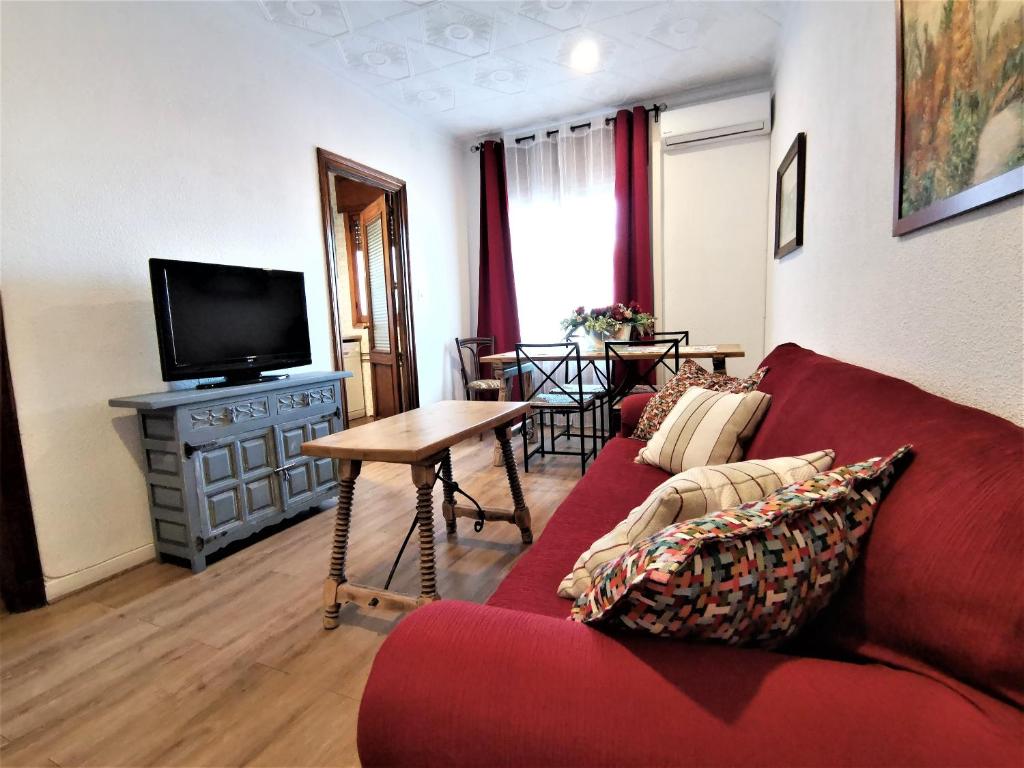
[503,364]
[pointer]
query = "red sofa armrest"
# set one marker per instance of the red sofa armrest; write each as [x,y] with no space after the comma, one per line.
[631,408]
[464,684]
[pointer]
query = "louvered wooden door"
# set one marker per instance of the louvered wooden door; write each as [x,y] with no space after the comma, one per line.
[373,221]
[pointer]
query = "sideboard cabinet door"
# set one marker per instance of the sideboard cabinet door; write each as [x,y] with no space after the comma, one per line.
[301,476]
[235,481]
[325,471]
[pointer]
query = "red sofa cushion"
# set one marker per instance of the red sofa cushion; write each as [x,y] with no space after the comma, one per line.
[464,684]
[940,580]
[612,486]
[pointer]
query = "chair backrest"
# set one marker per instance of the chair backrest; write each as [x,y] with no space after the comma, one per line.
[545,370]
[683,336]
[616,357]
[470,350]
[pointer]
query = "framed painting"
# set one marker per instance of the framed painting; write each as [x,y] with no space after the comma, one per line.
[959,108]
[789,198]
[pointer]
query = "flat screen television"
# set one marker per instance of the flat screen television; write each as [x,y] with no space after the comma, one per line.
[214,320]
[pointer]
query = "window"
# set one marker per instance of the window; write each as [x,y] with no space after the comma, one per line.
[562,221]
[356,271]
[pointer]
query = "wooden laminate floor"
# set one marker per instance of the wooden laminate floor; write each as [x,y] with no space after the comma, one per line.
[232,667]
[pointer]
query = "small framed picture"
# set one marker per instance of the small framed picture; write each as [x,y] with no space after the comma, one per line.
[789,199]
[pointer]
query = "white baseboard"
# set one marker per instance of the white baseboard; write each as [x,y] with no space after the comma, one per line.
[62,586]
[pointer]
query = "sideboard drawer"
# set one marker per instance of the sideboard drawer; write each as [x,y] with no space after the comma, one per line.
[250,409]
[296,402]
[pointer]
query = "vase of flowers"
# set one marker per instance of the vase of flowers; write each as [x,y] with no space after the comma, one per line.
[612,323]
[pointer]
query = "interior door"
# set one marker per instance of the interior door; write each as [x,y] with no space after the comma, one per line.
[373,222]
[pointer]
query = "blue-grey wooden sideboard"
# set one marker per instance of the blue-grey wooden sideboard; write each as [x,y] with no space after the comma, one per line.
[222,463]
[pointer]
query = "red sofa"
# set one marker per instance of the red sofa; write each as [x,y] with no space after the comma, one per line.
[918,661]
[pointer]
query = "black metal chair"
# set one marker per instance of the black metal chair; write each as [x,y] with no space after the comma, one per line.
[470,350]
[635,374]
[566,397]
[683,336]
[684,341]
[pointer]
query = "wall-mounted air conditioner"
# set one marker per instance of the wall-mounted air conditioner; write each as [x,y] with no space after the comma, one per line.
[715,121]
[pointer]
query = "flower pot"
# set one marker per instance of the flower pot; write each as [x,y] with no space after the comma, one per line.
[596,340]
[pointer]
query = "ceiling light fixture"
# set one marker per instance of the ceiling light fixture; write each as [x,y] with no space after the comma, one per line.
[585,56]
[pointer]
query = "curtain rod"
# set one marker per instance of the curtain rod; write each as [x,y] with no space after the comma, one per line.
[657,109]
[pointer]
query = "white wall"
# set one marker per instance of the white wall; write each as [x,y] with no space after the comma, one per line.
[177,130]
[709,218]
[941,307]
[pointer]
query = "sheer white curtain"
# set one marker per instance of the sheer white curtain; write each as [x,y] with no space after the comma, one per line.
[561,196]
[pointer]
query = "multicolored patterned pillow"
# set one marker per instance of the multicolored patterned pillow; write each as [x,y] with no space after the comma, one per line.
[754,574]
[689,495]
[691,374]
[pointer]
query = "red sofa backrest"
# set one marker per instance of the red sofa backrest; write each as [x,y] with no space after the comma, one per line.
[940,583]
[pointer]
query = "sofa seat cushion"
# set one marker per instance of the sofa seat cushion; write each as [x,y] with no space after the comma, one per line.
[612,486]
[939,583]
[463,684]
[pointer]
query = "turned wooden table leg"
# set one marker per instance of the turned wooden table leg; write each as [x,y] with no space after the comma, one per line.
[448,505]
[348,471]
[522,512]
[532,434]
[423,478]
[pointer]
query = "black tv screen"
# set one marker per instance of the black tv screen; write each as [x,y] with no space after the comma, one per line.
[216,320]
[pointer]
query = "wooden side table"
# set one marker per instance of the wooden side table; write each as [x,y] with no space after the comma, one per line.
[421,438]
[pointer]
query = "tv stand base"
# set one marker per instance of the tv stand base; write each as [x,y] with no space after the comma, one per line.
[242,382]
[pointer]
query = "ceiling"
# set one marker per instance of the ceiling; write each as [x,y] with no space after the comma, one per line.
[472,68]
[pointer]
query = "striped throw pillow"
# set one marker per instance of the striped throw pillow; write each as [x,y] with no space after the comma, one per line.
[705,428]
[691,374]
[688,495]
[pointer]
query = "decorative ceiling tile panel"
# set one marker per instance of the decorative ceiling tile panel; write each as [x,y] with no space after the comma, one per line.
[324,17]
[606,9]
[377,57]
[676,30]
[560,14]
[428,58]
[512,29]
[427,96]
[502,75]
[467,66]
[362,13]
[458,29]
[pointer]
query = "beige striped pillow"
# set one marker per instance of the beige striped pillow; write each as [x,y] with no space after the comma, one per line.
[705,428]
[688,495]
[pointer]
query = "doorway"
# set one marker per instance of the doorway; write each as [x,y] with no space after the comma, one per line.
[365,219]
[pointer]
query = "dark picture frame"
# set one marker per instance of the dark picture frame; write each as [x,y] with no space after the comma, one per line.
[997,188]
[798,153]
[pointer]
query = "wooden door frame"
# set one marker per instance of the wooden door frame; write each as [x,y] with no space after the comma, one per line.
[394,190]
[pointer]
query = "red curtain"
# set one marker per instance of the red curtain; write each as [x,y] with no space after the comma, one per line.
[633,269]
[497,312]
